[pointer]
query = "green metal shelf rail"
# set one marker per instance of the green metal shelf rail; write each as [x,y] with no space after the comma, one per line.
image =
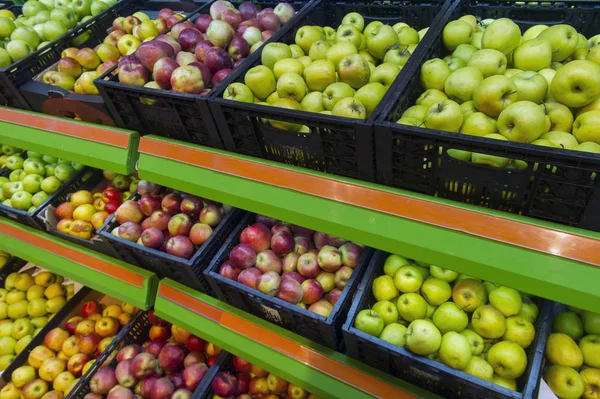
[319,370]
[89,144]
[544,259]
[120,280]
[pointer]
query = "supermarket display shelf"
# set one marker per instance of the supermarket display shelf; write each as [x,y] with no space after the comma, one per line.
[89,144]
[120,280]
[542,258]
[319,370]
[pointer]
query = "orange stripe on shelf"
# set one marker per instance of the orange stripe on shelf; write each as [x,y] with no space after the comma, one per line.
[554,242]
[327,365]
[66,127]
[83,259]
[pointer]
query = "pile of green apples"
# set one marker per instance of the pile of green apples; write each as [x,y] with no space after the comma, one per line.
[344,72]
[31,181]
[42,22]
[471,325]
[27,302]
[541,87]
[574,345]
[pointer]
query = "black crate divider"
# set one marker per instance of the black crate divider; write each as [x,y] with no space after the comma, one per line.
[325,331]
[34,219]
[431,374]
[180,116]
[16,75]
[557,185]
[98,243]
[185,271]
[60,317]
[337,145]
[53,100]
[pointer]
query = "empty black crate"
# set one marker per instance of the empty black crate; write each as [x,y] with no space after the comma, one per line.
[430,374]
[35,219]
[53,100]
[557,185]
[180,116]
[20,72]
[185,271]
[337,145]
[97,243]
[325,331]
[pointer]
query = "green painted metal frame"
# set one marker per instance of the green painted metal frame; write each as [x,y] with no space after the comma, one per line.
[567,281]
[290,369]
[142,297]
[96,154]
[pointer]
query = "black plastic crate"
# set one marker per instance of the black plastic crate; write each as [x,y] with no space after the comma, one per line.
[57,321]
[342,146]
[323,330]
[22,71]
[430,374]
[98,243]
[53,100]
[180,116]
[34,219]
[185,271]
[557,185]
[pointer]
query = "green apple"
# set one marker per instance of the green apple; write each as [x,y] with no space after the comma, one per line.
[488,61]
[261,81]
[32,183]
[407,35]
[65,16]
[469,294]
[21,200]
[564,381]
[371,27]
[306,36]
[354,19]
[431,97]
[97,7]
[495,94]
[287,65]
[585,128]
[456,63]
[475,341]
[64,172]
[6,328]
[502,35]
[319,74]
[5,60]
[454,350]
[523,122]
[519,331]
[534,32]
[506,300]
[335,92]
[478,124]
[411,306]
[33,166]
[380,40]
[408,279]
[471,20]
[408,121]
[444,115]
[297,51]
[14,162]
[394,334]
[312,102]
[385,74]
[384,288]
[239,92]
[370,95]
[548,73]
[590,348]
[460,84]
[273,52]
[393,263]
[349,33]
[369,322]
[354,70]
[568,323]
[561,139]
[423,337]
[18,49]
[444,274]
[531,86]
[33,7]
[397,56]
[563,39]
[291,85]
[7,26]
[456,33]
[53,30]
[529,310]
[448,317]
[479,368]
[591,322]
[21,328]
[287,103]
[387,311]
[533,55]
[318,50]
[7,345]
[434,73]
[17,175]
[350,108]
[339,51]
[17,310]
[26,34]
[488,322]
[436,291]
[417,112]
[468,108]
[576,84]
[589,147]
[561,118]
[464,51]
[51,184]
[476,39]
[508,359]
[83,8]
[430,311]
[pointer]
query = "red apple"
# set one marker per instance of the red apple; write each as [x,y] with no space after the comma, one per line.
[171,203]
[201,49]
[144,365]
[320,239]
[180,246]
[216,59]
[281,227]
[149,203]
[165,13]
[103,381]
[193,358]
[224,384]
[290,291]
[243,383]
[206,74]
[163,69]
[146,386]
[188,38]
[268,261]
[301,245]
[202,22]
[155,320]
[248,10]
[170,41]
[329,258]
[129,211]
[171,357]
[238,62]
[350,254]
[269,283]
[233,17]
[293,276]
[211,215]
[71,324]
[89,308]
[336,241]
[128,352]
[342,276]
[282,243]
[258,236]
[313,291]
[238,48]
[266,35]
[124,373]
[321,307]
[111,207]
[130,231]
[180,27]
[177,381]
[160,220]
[333,296]
[242,256]
[241,365]
[249,277]
[158,340]
[152,237]
[218,8]
[193,375]
[229,271]
[180,224]
[220,76]
[150,52]
[163,388]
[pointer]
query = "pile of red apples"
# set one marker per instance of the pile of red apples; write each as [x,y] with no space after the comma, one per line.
[170,365]
[167,220]
[194,57]
[297,265]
